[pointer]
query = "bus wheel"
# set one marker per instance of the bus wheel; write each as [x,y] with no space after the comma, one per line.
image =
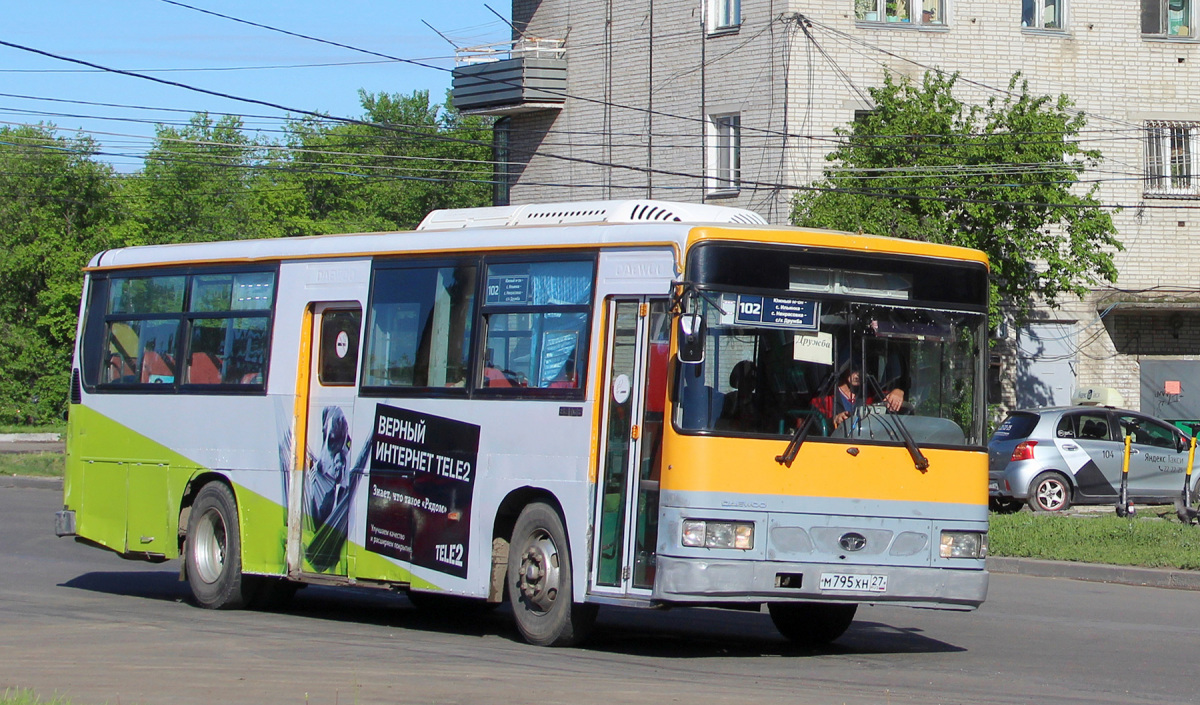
[214,551]
[539,581]
[811,623]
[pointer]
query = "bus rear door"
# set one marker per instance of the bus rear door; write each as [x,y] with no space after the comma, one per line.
[332,459]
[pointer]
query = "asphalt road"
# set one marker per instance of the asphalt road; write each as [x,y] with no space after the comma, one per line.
[82,623]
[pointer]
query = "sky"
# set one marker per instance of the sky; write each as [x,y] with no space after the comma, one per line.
[172,42]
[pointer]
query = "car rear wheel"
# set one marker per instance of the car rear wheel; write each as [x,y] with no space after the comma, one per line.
[1049,492]
[1005,505]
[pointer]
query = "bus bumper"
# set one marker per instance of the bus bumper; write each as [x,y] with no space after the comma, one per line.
[684,580]
[64,523]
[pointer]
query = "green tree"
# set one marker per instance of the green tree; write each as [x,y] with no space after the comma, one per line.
[208,181]
[205,181]
[56,210]
[412,157]
[1003,178]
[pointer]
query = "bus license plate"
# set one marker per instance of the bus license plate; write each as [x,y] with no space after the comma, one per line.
[853,583]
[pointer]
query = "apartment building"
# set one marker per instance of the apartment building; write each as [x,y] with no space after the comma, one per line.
[735,102]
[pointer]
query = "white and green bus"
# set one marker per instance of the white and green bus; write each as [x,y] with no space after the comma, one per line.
[565,406]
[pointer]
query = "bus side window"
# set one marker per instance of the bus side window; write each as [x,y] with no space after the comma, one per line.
[492,375]
[122,354]
[204,368]
[157,368]
[339,347]
[419,326]
[536,315]
[184,332]
[225,349]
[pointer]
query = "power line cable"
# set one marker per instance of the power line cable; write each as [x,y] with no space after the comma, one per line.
[515,84]
[203,69]
[480,143]
[942,72]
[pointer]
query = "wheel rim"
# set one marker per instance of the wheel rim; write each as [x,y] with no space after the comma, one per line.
[208,546]
[1051,495]
[540,579]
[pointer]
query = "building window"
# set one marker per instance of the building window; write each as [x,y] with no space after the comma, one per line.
[926,12]
[501,131]
[1171,169]
[1042,14]
[724,15]
[725,149]
[1167,18]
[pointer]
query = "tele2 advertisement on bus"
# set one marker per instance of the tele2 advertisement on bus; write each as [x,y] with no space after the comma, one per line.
[421,484]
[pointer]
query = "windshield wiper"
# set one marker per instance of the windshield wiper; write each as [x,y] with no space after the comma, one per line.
[798,438]
[801,433]
[920,462]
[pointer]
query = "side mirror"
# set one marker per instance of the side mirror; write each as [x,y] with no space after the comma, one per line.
[691,338]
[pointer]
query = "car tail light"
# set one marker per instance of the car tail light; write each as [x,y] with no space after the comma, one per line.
[1023,451]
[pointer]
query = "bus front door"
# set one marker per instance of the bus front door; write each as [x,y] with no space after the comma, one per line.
[333,460]
[632,413]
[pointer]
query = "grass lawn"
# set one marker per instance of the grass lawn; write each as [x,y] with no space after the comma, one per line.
[35,464]
[49,428]
[1155,538]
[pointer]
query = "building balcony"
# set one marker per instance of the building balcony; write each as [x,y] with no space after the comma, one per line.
[512,77]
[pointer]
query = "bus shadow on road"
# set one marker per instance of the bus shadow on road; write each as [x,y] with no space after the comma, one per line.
[150,584]
[699,633]
[677,633]
[363,606]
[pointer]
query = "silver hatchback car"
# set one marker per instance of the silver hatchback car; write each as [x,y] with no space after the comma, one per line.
[1053,458]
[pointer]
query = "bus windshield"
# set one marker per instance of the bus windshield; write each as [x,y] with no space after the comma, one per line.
[857,369]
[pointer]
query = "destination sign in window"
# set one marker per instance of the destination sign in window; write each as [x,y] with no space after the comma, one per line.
[511,289]
[772,312]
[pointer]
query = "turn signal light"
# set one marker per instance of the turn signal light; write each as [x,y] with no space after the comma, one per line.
[1023,451]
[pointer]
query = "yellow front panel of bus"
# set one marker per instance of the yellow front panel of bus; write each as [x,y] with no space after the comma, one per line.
[822,469]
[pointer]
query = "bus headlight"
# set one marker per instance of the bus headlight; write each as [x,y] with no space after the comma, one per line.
[700,533]
[964,544]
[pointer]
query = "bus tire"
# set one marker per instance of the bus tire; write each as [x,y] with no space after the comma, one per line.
[539,581]
[213,551]
[811,623]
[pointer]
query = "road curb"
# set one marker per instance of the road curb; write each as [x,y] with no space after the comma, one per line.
[30,437]
[1091,572]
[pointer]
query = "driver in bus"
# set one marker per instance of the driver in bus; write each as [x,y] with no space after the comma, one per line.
[843,403]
